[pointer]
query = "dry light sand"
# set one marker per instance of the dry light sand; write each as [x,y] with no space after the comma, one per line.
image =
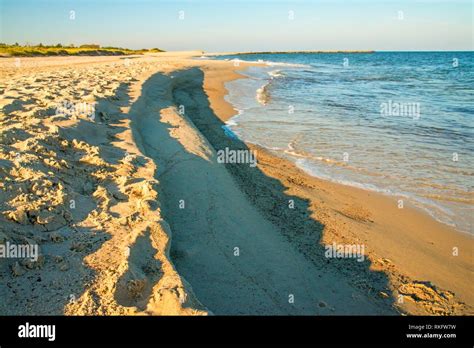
[133,214]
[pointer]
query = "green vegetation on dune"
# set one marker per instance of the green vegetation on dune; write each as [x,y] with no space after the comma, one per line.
[60,50]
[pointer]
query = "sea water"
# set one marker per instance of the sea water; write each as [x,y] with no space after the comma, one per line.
[400,123]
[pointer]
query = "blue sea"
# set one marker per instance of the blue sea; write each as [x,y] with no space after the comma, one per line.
[400,123]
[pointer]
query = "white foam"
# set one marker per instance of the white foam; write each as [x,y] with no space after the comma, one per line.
[294,65]
[262,94]
[439,213]
[271,63]
[233,120]
[275,73]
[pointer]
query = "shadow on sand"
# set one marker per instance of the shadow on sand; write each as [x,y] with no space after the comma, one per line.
[202,251]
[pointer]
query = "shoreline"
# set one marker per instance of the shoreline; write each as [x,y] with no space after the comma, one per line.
[426,248]
[439,209]
[405,248]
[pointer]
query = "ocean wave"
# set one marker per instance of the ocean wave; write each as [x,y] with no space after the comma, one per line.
[310,169]
[271,63]
[291,150]
[293,65]
[334,116]
[233,120]
[342,106]
[436,211]
[276,73]
[263,97]
[445,198]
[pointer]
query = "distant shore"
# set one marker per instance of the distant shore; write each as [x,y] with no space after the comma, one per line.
[68,50]
[287,52]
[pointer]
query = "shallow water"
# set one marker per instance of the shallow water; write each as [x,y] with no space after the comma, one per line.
[400,123]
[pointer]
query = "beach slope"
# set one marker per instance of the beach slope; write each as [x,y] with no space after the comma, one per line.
[134,214]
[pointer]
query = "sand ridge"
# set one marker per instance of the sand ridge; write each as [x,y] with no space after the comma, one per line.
[237,260]
[79,188]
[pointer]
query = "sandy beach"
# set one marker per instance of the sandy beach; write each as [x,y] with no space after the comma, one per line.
[110,166]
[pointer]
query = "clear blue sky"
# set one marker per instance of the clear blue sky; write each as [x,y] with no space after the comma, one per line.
[214,25]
